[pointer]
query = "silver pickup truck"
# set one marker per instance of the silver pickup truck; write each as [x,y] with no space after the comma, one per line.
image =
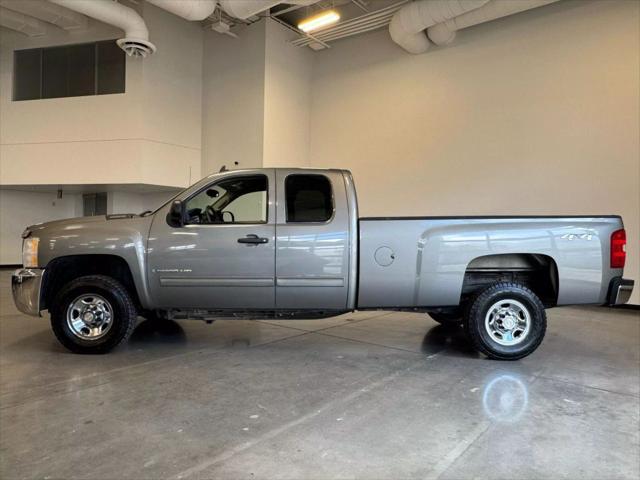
[288,243]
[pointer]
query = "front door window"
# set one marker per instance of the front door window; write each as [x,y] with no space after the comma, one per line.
[237,200]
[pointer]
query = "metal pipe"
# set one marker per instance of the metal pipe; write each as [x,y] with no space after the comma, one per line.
[193,10]
[408,25]
[136,41]
[444,33]
[246,9]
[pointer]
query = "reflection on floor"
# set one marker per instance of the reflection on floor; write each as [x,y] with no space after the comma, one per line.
[366,395]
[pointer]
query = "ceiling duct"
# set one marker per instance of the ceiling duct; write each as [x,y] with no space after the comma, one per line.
[445,32]
[193,10]
[244,9]
[408,25]
[21,23]
[48,12]
[136,41]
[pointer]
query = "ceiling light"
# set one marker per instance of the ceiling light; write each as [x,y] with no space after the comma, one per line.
[318,21]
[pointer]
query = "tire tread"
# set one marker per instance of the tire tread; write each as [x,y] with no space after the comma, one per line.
[118,290]
[477,303]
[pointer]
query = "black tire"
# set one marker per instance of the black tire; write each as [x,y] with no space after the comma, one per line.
[123,314]
[446,318]
[483,341]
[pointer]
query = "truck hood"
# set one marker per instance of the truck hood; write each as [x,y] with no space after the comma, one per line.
[67,221]
[78,222]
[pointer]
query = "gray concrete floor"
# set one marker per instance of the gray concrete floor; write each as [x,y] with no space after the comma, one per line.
[368,395]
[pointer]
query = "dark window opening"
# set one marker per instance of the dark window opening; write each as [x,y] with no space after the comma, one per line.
[81,70]
[27,75]
[309,198]
[111,68]
[94,204]
[69,71]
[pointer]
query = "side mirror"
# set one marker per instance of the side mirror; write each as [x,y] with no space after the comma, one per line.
[175,217]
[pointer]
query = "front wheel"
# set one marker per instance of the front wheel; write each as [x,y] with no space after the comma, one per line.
[507,321]
[93,314]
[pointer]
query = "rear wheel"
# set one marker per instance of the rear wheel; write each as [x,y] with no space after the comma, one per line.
[93,314]
[507,321]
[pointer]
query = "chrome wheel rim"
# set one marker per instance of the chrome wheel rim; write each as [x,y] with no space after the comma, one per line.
[507,322]
[89,317]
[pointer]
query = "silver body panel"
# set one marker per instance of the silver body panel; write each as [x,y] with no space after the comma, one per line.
[339,265]
[432,255]
[204,266]
[312,259]
[125,238]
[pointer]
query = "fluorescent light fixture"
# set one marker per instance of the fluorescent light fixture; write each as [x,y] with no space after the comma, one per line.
[318,21]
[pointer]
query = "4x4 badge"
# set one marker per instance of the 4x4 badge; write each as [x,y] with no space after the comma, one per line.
[581,236]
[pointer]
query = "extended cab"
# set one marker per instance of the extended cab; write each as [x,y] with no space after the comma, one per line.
[288,243]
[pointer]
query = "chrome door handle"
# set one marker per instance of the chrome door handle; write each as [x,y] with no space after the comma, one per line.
[253,239]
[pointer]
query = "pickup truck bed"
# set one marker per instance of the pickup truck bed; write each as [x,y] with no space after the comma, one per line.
[423,261]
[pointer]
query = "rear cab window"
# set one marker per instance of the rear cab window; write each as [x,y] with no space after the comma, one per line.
[309,198]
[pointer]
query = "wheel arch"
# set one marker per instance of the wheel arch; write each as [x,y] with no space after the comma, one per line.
[538,272]
[62,270]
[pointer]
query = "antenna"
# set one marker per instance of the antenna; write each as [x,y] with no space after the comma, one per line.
[222,169]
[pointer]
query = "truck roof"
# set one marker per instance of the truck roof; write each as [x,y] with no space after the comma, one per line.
[301,169]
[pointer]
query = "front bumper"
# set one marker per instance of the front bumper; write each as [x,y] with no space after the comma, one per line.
[25,286]
[619,291]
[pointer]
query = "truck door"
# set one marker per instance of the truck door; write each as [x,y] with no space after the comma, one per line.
[312,240]
[224,255]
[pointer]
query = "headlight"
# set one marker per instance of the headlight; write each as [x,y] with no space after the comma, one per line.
[30,252]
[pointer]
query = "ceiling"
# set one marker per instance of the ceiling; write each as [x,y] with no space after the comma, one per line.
[356,16]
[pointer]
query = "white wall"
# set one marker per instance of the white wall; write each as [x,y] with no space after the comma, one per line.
[37,134]
[287,99]
[150,134]
[133,202]
[257,98]
[533,114]
[19,209]
[233,99]
[172,98]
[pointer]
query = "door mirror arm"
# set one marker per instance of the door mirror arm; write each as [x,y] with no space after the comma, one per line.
[175,217]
